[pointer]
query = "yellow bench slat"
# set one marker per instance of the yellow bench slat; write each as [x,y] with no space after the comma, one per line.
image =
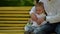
[15,8]
[14,19]
[12,25]
[14,11]
[12,31]
[14,15]
[11,28]
[14,22]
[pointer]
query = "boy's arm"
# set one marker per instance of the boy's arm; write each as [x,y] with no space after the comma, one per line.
[34,17]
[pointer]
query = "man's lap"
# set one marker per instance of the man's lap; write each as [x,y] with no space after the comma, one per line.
[57,29]
[47,28]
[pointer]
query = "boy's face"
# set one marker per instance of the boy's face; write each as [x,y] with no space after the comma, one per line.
[39,9]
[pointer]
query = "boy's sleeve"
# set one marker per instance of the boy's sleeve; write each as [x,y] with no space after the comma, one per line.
[32,10]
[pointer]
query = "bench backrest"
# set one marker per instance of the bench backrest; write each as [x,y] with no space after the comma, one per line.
[13,18]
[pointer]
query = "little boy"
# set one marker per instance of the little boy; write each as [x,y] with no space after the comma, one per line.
[35,24]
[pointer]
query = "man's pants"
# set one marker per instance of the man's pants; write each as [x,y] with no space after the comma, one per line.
[48,28]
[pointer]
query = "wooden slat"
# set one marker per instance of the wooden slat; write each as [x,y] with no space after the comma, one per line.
[11,28]
[12,31]
[12,22]
[12,25]
[17,33]
[14,11]
[14,19]
[14,15]
[15,8]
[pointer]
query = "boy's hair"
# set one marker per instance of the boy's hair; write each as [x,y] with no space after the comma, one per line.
[36,1]
[40,4]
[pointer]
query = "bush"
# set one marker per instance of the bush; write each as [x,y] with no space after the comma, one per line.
[16,2]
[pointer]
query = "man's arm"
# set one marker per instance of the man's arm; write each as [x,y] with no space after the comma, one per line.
[53,19]
[56,18]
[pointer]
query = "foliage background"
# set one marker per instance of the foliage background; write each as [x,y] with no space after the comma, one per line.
[16,2]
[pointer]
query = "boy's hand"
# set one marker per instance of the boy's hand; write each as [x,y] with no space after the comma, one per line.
[40,20]
[33,17]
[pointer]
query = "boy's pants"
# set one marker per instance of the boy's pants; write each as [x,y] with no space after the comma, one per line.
[45,29]
[32,29]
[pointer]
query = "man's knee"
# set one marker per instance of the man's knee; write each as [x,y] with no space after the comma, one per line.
[39,32]
[58,29]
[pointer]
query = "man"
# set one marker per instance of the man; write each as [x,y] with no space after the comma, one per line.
[52,8]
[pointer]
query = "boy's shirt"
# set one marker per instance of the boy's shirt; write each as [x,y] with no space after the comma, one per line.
[32,10]
[39,16]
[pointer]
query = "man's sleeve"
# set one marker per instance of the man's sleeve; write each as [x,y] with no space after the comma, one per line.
[53,19]
[32,10]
